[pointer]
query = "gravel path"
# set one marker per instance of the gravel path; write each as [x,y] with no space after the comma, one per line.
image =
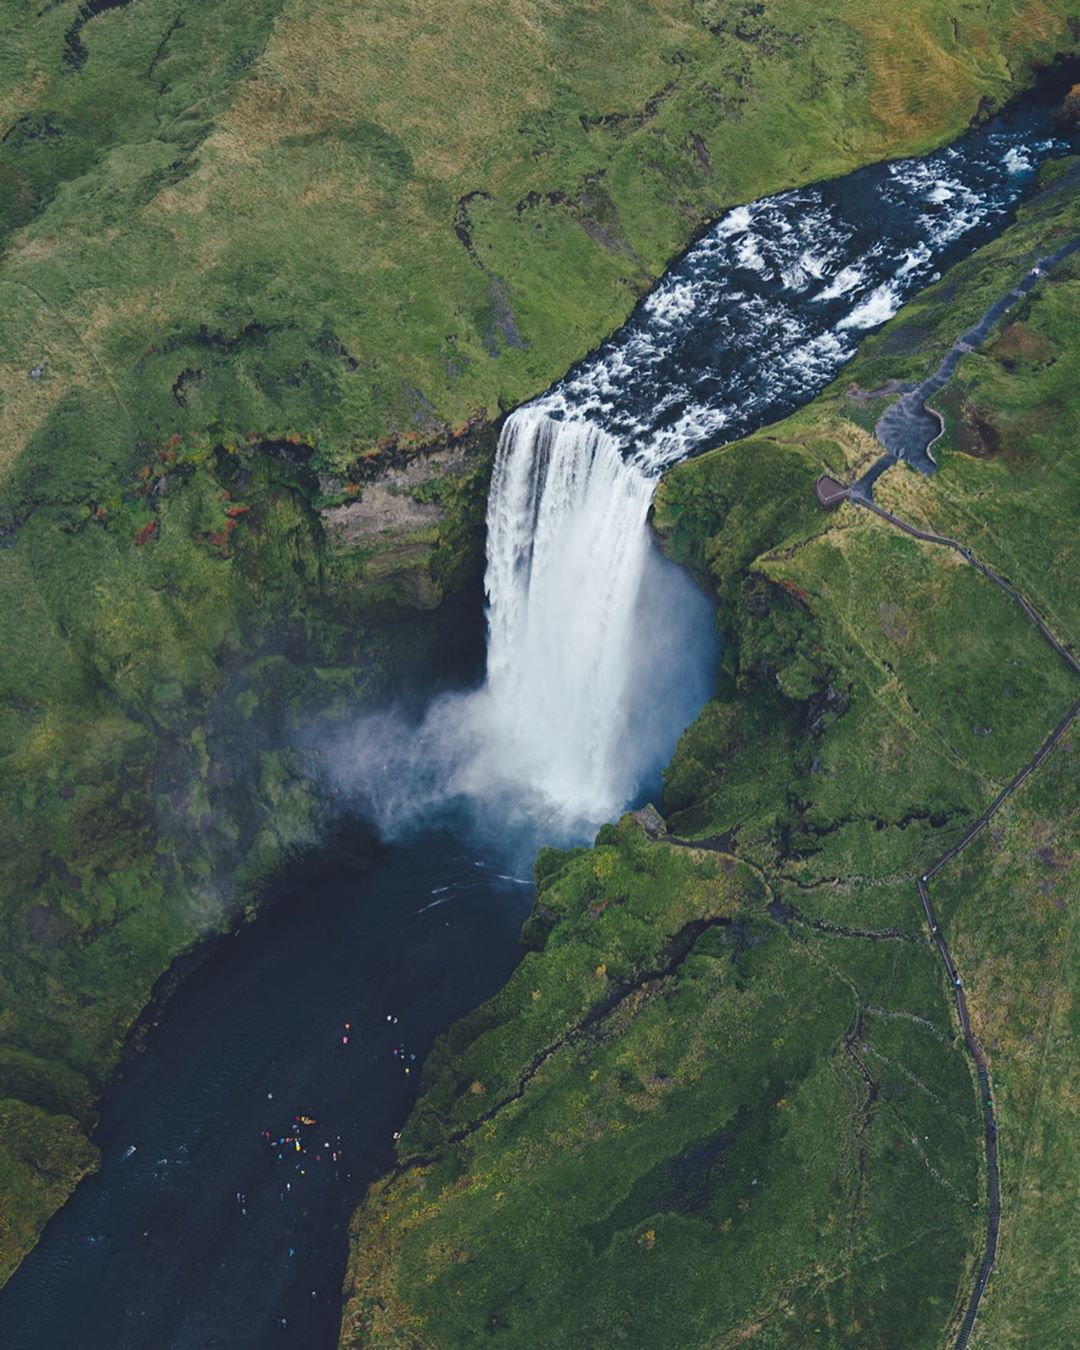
[908,428]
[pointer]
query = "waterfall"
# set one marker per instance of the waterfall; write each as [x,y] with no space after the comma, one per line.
[600,652]
[567,548]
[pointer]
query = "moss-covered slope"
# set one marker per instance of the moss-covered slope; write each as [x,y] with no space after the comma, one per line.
[254,255]
[725,1100]
[165,646]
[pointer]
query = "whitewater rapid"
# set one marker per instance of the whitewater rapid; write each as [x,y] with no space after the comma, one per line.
[599,652]
[752,322]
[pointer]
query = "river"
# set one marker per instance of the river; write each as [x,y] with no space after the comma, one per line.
[201,1229]
[157,1249]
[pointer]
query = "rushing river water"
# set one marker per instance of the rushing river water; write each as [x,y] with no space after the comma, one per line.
[195,1232]
[757,317]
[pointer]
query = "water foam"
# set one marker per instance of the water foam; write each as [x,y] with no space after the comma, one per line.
[877,308]
[754,320]
[566,553]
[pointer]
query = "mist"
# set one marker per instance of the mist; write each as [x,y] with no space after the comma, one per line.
[600,653]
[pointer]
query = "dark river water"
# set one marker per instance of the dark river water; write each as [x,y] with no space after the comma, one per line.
[201,1228]
[159,1249]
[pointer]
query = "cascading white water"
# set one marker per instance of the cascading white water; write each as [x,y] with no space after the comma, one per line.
[758,316]
[567,546]
[599,652]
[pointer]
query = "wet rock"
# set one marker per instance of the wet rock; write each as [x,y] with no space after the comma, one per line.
[1068,114]
[651,821]
[387,505]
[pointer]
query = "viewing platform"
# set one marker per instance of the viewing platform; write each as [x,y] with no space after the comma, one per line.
[829,492]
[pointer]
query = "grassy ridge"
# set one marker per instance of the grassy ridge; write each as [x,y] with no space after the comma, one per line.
[775,1138]
[1010,908]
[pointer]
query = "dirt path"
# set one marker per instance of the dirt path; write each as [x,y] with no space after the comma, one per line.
[993,1171]
[908,428]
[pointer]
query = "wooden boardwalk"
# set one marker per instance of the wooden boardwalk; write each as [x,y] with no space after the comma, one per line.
[829,492]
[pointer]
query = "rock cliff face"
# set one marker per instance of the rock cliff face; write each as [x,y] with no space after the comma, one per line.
[225,614]
[414,519]
[1069,113]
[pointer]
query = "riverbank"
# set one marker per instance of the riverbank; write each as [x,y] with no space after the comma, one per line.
[782,1091]
[199,1226]
[180,801]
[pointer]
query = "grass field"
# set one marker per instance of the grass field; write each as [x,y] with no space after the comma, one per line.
[1011,917]
[724,1100]
[255,254]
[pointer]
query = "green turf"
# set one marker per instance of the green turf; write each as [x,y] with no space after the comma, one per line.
[1009,910]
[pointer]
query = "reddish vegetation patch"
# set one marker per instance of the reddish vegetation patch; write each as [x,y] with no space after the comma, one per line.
[970,429]
[238,510]
[983,436]
[147,532]
[1019,345]
[475,419]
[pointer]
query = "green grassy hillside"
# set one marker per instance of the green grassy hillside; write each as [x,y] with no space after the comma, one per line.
[724,1100]
[349,221]
[255,255]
